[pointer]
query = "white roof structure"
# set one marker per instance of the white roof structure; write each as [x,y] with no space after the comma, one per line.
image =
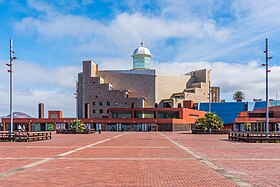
[142,51]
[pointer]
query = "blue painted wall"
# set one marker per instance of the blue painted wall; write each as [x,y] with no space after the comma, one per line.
[228,111]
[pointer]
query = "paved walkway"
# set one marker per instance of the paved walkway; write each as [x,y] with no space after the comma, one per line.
[139,159]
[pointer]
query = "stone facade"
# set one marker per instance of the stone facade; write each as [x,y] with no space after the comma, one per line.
[196,88]
[137,88]
[99,95]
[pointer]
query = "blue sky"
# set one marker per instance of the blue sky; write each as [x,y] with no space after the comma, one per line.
[52,38]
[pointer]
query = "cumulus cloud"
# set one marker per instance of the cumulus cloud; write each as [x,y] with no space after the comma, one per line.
[123,32]
[33,83]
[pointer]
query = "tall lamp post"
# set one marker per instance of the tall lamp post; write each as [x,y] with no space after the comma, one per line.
[267,57]
[10,65]
[76,96]
[209,109]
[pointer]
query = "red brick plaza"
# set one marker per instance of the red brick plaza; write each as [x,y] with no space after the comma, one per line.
[139,159]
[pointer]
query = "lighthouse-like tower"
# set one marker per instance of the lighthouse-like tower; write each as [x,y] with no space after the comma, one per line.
[141,58]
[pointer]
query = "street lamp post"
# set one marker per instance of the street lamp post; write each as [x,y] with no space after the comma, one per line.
[267,57]
[77,91]
[209,109]
[10,65]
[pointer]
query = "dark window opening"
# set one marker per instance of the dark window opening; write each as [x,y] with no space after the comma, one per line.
[166,105]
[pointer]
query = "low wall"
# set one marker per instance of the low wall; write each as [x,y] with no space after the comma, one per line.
[181,127]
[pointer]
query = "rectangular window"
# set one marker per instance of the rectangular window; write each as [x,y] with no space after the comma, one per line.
[93,111]
[108,103]
[93,103]
[101,111]
[54,116]
[101,103]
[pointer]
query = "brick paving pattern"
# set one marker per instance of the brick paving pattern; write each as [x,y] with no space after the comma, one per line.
[138,159]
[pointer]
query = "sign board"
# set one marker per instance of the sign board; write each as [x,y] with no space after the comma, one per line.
[36,127]
[87,126]
[60,126]
[50,127]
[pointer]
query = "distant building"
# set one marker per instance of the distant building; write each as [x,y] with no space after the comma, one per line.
[129,100]
[228,111]
[215,94]
[140,87]
[255,121]
[119,119]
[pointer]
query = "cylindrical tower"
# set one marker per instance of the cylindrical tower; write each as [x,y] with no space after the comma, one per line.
[141,58]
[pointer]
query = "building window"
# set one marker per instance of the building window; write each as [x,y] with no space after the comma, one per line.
[93,103]
[96,96]
[101,103]
[108,103]
[132,105]
[107,111]
[101,111]
[54,116]
[93,111]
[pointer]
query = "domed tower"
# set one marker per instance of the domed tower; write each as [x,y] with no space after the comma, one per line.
[141,58]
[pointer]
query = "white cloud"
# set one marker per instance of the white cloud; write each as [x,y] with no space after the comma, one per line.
[34,83]
[123,32]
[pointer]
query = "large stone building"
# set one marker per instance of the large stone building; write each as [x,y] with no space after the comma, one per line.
[140,87]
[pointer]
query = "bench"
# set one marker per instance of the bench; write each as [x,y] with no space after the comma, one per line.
[32,136]
[253,137]
[37,136]
[6,136]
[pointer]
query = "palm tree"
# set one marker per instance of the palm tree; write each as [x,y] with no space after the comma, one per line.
[209,122]
[79,128]
[238,96]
